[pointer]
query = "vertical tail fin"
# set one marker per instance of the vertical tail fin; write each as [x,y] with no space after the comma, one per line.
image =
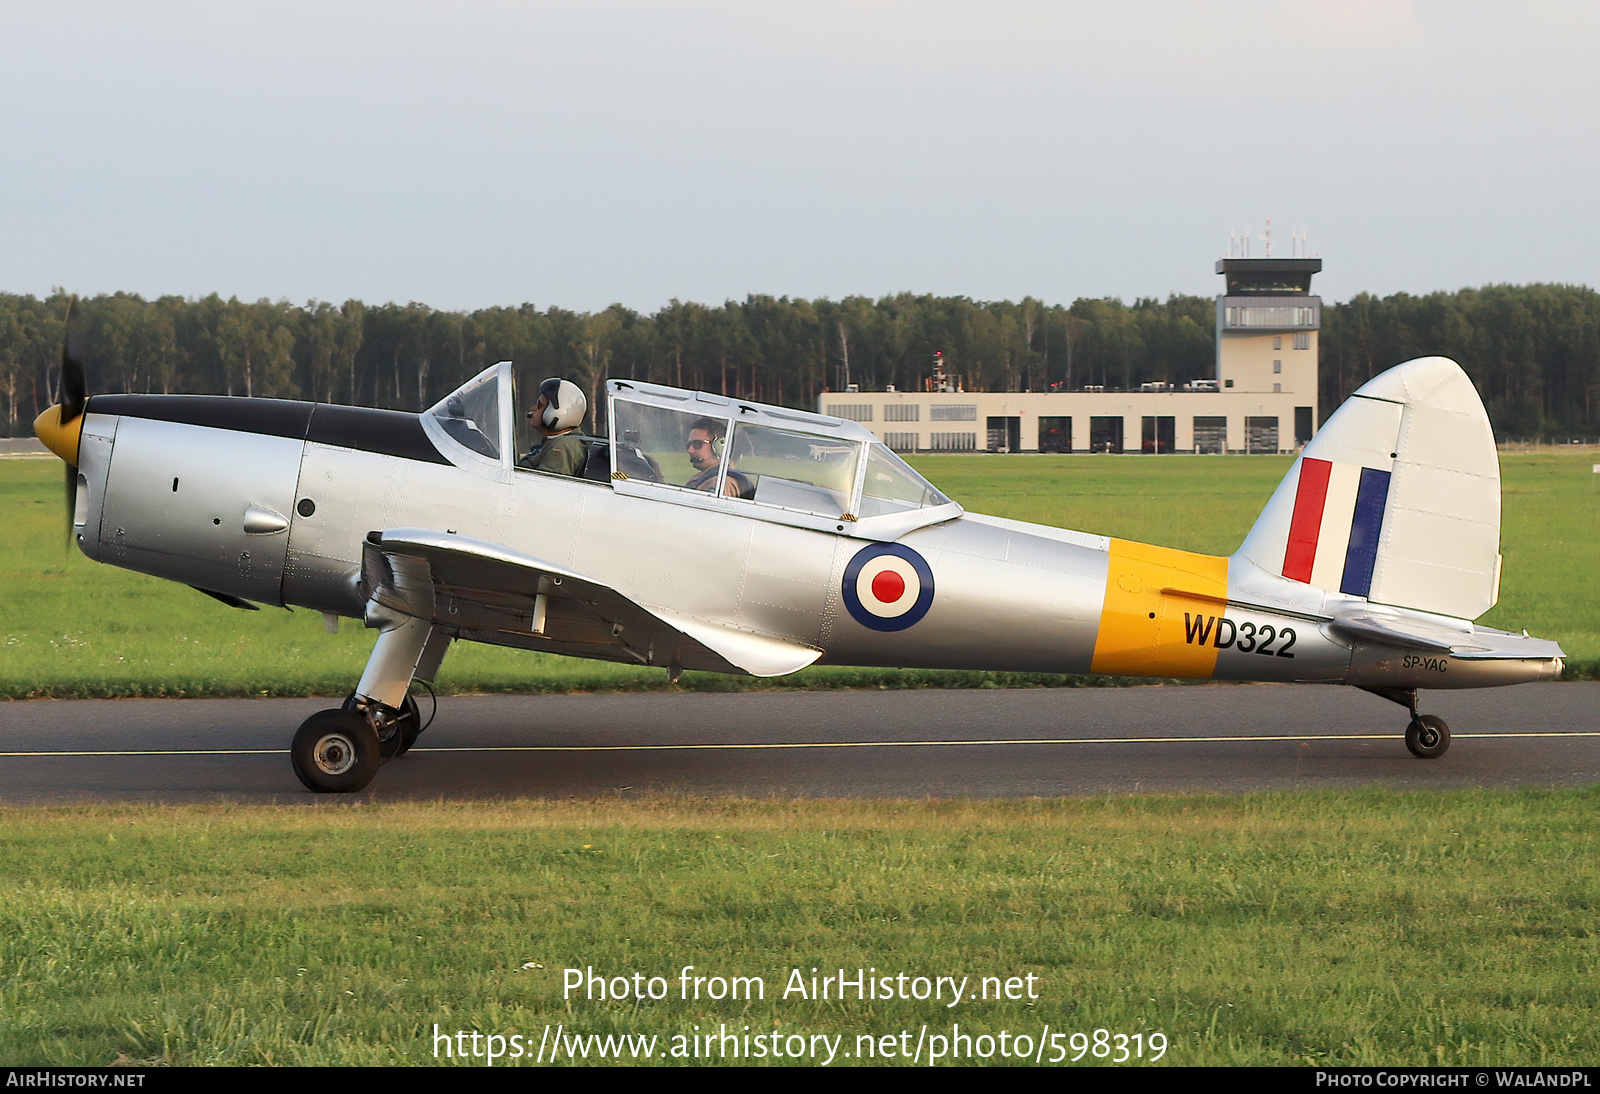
[1396,499]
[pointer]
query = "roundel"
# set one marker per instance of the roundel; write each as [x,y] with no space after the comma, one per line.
[887,587]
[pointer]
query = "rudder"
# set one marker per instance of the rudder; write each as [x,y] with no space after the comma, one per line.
[1396,499]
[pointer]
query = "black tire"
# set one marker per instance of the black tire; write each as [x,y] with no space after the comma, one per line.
[335,752]
[1428,737]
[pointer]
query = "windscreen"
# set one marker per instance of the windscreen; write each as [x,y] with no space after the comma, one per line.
[891,486]
[471,414]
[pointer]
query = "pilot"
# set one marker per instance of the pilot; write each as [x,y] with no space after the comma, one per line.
[557,415]
[706,443]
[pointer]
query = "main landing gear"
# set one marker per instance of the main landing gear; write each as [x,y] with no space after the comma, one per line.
[339,751]
[1427,736]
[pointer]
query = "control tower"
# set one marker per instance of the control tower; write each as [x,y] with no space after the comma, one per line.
[1267,324]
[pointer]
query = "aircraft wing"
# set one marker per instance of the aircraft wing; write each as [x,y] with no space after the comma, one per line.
[486,592]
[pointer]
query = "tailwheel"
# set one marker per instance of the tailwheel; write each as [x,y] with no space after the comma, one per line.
[1427,736]
[335,752]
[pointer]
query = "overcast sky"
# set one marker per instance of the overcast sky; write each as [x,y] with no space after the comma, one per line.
[577,154]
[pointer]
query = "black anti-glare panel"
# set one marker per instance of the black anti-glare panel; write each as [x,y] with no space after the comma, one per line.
[390,432]
[272,417]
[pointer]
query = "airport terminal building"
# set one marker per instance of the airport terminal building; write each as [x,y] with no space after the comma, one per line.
[1262,399]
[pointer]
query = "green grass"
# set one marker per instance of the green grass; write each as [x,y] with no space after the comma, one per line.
[1367,928]
[1195,503]
[75,628]
[1550,542]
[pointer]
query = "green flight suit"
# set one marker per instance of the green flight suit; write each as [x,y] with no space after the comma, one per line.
[560,454]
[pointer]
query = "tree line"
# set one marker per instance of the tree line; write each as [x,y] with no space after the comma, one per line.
[1533,351]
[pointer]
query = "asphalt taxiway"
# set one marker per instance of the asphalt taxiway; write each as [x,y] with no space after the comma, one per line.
[852,744]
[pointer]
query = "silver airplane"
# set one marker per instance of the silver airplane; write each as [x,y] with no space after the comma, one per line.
[810,543]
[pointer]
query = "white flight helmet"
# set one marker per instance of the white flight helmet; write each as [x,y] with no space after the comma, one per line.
[567,404]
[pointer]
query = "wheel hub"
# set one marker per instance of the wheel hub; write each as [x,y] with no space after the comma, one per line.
[335,754]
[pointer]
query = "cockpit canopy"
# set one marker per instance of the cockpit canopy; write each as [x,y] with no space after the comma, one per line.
[692,448]
[766,462]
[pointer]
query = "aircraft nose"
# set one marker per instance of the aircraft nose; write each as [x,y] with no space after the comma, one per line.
[58,438]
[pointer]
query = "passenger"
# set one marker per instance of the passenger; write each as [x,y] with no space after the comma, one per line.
[557,415]
[707,439]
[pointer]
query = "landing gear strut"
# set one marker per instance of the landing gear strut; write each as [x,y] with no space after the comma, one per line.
[1428,737]
[339,751]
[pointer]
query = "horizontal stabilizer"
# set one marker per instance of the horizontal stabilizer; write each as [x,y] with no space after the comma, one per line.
[1390,630]
[1459,639]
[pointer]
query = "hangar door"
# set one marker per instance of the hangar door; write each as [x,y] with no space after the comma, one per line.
[1005,434]
[1261,435]
[1210,434]
[1158,433]
[1055,434]
[1105,434]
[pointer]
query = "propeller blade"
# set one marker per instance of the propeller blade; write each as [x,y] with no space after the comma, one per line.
[74,380]
[74,394]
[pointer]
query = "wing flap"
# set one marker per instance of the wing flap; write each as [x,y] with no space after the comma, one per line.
[756,654]
[491,593]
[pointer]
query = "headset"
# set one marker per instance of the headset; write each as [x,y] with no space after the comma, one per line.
[717,430]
